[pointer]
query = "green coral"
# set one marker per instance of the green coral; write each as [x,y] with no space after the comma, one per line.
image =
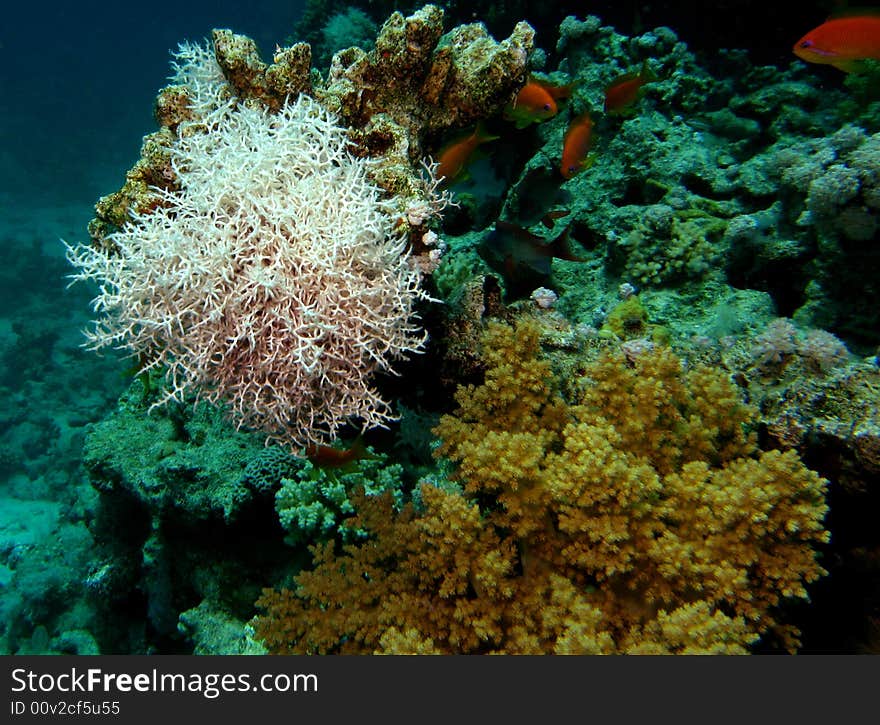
[350,27]
[629,320]
[691,250]
[184,459]
[313,502]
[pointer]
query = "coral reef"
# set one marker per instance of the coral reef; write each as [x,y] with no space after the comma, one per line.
[781,345]
[656,197]
[641,518]
[179,490]
[398,100]
[350,27]
[830,188]
[226,280]
[594,492]
[44,609]
[184,460]
[419,83]
[746,179]
[214,632]
[813,396]
[833,418]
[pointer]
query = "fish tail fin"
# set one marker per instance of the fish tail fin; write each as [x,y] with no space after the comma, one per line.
[560,247]
[482,135]
[559,93]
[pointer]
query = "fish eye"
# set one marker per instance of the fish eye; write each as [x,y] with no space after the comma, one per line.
[546,106]
[807,44]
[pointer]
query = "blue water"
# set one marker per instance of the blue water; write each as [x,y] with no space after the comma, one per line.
[80,78]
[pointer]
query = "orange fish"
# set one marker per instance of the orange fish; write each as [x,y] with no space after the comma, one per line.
[332,457]
[576,146]
[842,41]
[454,157]
[624,91]
[536,102]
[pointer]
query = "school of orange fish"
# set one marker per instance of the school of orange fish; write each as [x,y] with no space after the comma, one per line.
[845,41]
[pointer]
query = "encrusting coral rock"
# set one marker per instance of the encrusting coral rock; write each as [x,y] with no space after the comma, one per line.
[642,518]
[418,82]
[397,101]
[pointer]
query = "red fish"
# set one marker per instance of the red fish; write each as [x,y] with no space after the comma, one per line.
[624,91]
[536,102]
[454,157]
[332,457]
[842,41]
[576,146]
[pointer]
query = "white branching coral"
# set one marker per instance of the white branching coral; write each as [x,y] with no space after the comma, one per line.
[195,67]
[269,278]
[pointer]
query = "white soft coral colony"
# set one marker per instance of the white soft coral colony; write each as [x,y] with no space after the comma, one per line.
[270,278]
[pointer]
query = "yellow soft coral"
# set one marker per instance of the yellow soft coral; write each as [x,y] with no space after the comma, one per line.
[639,518]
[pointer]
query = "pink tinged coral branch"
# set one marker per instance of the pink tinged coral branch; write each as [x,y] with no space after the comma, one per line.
[268,278]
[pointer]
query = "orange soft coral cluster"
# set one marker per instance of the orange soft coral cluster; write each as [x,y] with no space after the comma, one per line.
[641,518]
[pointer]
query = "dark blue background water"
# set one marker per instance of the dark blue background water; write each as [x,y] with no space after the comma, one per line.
[78,81]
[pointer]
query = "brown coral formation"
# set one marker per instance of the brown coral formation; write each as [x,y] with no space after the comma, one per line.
[287,76]
[153,169]
[641,518]
[418,83]
[398,100]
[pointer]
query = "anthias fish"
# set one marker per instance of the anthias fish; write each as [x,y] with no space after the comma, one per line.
[332,457]
[523,258]
[623,92]
[454,157]
[536,102]
[576,146]
[842,41]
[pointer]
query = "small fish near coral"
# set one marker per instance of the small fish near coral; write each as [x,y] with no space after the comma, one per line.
[454,157]
[843,41]
[537,191]
[536,102]
[324,456]
[523,258]
[622,94]
[576,146]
